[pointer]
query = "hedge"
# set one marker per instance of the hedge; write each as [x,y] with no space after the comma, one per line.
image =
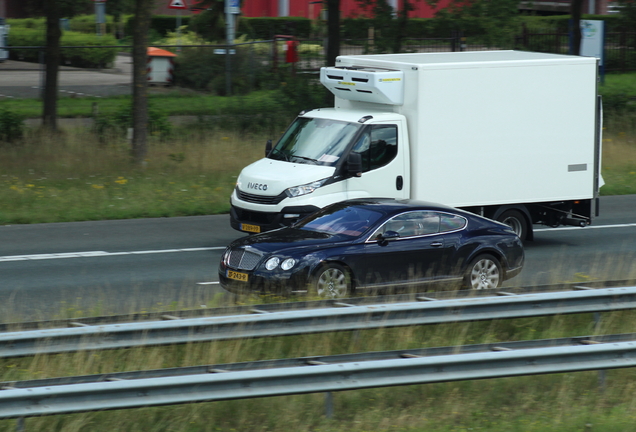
[252,28]
[78,57]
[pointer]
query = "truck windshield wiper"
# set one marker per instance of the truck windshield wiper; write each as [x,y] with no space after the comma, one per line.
[306,158]
[281,155]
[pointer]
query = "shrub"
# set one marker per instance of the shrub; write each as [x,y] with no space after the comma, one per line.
[619,94]
[121,121]
[202,69]
[11,126]
[88,57]
[79,57]
[87,24]
[159,24]
[211,27]
[301,92]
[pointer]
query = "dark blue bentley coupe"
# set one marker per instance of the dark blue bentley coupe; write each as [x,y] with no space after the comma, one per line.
[374,244]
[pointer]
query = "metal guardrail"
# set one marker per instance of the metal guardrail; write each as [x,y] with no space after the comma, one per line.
[295,322]
[301,305]
[310,375]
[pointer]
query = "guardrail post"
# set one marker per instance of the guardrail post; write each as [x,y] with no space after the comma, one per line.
[329,405]
[601,373]
[19,424]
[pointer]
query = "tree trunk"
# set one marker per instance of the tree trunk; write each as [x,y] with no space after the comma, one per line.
[575,15]
[333,31]
[52,62]
[143,10]
[402,21]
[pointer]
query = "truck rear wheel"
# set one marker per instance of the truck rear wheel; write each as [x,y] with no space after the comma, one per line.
[515,220]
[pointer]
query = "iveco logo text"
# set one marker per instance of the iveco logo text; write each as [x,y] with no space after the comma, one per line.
[257,186]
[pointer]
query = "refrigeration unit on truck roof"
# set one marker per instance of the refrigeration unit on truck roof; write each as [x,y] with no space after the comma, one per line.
[365,84]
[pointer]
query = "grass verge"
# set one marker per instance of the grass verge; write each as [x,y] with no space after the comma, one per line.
[75,176]
[560,402]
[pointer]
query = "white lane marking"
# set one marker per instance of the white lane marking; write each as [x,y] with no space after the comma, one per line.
[629,225]
[208,283]
[91,254]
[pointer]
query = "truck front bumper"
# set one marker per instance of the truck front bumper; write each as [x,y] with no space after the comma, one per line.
[254,221]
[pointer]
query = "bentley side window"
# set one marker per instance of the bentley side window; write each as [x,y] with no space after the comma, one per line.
[412,224]
[451,223]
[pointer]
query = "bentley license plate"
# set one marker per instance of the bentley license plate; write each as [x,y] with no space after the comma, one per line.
[250,228]
[237,276]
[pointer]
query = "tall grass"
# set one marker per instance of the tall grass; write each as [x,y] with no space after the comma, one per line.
[74,176]
[562,402]
[78,175]
[619,155]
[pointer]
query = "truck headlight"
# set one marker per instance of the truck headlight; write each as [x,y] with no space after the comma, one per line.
[304,189]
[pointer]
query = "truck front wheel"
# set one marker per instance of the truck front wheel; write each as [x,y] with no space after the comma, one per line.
[515,220]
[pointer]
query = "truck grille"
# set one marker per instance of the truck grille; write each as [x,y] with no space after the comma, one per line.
[259,199]
[243,259]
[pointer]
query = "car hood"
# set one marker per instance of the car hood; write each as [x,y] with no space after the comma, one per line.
[291,240]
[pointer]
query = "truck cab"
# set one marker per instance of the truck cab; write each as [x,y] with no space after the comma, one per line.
[325,156]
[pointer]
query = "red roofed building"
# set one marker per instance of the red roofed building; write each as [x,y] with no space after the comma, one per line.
[351,8]
[307,8]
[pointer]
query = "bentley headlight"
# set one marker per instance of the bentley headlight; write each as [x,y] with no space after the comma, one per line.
[304,189]
[226,256]
[272,263]
[288,264]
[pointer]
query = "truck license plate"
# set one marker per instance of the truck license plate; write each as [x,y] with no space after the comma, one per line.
[237,276]
[250,228]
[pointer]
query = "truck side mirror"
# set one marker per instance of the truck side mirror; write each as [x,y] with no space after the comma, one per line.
[268,147]
[354,164]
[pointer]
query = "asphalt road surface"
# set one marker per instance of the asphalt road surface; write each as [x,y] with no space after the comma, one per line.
[105,267]
[25,80]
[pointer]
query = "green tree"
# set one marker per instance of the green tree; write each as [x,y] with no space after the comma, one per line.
[143,14]
[495,21]
[333,31]
[389,26]
[627,17]
[576,7]
[210,23]
[117,8]
[54,10]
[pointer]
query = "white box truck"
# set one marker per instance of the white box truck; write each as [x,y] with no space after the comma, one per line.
[514,136]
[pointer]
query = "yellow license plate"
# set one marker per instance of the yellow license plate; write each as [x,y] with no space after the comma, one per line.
[237,276]
[250,228]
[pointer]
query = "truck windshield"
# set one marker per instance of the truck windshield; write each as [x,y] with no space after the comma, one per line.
[314,141]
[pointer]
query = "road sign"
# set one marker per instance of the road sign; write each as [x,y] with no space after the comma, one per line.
[177,4]
[232,7]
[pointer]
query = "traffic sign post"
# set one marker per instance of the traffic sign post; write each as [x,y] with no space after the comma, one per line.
[100,17]
[179,5]
[232,8]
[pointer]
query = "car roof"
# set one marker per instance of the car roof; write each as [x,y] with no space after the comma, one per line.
[392,206]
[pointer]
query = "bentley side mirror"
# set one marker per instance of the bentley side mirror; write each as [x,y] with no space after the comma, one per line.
[384,239]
